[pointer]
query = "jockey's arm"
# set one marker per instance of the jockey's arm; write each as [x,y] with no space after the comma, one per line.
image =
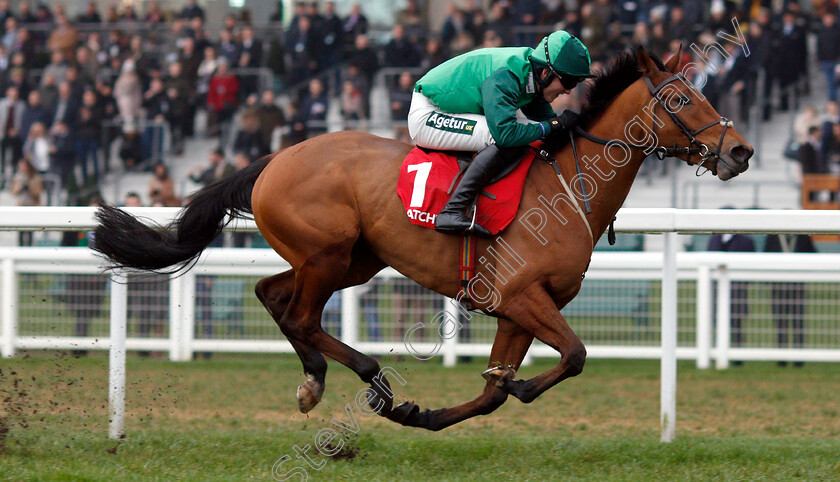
[538,110]
[500,93]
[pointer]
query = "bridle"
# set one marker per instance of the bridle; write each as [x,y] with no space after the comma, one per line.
[708,158]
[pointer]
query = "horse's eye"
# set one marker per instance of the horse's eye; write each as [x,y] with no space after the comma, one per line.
[685,100]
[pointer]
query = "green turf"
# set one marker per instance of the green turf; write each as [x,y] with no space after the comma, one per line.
[233,417]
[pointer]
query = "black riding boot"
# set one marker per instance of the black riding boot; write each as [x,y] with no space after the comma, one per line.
[486,164]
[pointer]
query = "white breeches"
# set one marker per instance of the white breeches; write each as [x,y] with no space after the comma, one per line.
[432,128]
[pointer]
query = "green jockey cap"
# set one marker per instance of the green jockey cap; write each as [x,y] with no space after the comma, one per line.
[567,54]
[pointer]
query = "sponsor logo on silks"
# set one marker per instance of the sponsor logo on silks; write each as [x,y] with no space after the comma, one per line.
[421,216]
[451,124]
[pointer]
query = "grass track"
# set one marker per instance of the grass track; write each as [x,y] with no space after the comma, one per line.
[231,418]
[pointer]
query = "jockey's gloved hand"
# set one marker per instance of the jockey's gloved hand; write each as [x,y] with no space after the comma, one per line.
[565,121]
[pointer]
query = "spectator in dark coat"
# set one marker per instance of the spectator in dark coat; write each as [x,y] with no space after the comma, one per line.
[157,106]
[303,46]
[89,135]
[228,47]
[11,117]
[332,38]
[365,58]
[269,116]
[809,154]
[737,78]
[400,104]
[62,152]
[355,24]
[788,299]
[191,10]
[32,113]
[739,303]
[177,80]
[456,22]
[789,50]
[527,12]
[251,57]
[190,59]
[249,140]
[828,51]
[178,111]
[313,110]
[66,106]
[400,51]
[90,15]
[760,41]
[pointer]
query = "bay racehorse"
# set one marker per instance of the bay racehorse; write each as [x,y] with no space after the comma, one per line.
[329,207]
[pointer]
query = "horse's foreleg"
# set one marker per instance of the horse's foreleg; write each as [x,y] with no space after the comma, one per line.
[509,348]
[537,313]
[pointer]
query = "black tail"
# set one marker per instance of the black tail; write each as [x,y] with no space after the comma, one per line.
[129,243]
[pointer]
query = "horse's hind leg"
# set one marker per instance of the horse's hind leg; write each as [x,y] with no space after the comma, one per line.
[537,313]
[275,293]
[509,348]
[287,293]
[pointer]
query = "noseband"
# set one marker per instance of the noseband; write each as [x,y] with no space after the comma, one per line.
[707,156]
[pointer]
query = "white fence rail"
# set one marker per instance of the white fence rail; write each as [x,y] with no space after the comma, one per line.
[667,221]
[642,271]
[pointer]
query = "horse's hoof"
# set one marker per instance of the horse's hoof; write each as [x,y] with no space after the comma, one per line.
[499,374]
[402,411]
[309,394]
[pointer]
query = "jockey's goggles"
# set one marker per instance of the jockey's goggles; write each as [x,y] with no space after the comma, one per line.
[568,81]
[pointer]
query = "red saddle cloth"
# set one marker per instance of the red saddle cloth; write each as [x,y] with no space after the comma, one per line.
[425,178]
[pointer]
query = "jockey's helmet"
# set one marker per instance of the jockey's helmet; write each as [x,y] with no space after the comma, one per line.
[564,55]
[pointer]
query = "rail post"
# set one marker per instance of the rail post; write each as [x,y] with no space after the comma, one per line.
[723,318]
[9,299]
[116,366]
[668,395]
[350,316]
[704,317]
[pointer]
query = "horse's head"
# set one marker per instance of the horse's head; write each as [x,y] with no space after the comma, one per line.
[687,125]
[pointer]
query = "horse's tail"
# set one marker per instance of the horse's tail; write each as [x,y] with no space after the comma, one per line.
[128,242]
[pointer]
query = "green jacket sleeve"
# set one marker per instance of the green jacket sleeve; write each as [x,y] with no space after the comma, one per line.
[500,93]
[538,110]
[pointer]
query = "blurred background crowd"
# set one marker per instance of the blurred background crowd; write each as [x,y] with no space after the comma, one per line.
[116,88]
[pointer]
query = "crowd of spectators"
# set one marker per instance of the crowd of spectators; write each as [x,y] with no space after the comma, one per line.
[73,86]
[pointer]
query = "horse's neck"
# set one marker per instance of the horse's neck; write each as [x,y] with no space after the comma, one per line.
[613,172]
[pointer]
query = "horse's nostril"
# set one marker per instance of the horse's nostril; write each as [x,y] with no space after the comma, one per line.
[741,152]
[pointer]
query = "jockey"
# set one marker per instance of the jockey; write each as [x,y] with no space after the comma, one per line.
[470,103]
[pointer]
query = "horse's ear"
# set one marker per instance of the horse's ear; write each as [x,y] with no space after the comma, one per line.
[646,64]
[673,64]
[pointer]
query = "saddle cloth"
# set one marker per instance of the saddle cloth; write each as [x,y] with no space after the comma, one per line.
[427,176]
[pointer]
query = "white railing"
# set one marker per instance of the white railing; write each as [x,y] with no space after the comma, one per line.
[702,268]
[667,221]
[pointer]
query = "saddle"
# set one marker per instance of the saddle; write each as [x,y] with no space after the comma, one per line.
[428,178]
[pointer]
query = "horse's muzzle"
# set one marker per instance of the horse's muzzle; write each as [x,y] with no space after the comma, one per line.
[735,162]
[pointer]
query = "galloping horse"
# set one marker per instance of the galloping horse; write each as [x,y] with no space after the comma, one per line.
[329,207]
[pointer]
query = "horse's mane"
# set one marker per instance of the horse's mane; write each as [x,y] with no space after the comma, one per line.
[621,72]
